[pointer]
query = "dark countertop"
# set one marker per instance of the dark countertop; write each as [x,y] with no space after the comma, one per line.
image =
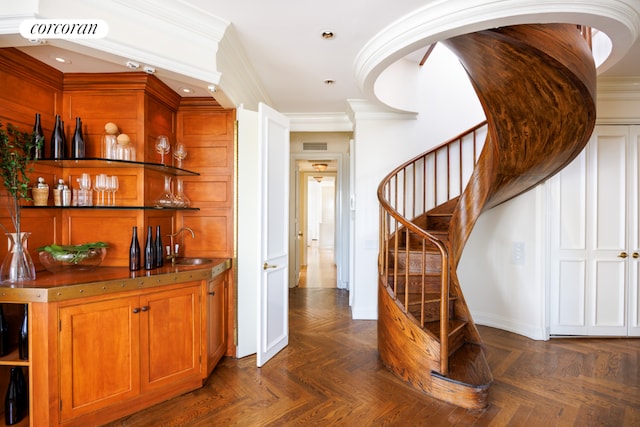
[50,287]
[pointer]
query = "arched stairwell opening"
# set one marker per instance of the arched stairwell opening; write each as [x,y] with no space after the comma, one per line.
[536,84]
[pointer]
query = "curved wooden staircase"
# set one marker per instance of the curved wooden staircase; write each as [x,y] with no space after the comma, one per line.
[536,84]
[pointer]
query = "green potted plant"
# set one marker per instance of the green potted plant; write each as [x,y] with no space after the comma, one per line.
[16,163]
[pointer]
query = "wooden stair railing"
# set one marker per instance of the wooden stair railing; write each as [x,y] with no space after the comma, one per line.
[414,188]
[536,84]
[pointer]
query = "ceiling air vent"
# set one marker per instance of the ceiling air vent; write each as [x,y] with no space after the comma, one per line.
[314,146]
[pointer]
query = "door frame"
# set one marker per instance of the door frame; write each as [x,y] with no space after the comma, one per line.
[342,247]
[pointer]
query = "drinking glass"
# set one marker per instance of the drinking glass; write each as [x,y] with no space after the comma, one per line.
[162,147]
[113,185]
[179,153]
[100,186]
[84,182]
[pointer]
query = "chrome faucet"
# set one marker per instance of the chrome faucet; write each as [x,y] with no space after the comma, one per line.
[173,248]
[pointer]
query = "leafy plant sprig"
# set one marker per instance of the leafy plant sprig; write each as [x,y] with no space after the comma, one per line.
[16,163]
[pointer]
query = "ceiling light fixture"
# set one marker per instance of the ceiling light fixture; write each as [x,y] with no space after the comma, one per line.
[328,35]
[62,59]
[329,82]
[186,90]
[320,167]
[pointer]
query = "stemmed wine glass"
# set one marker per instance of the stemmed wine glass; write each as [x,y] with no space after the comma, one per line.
[162,147]
[179,153]
[100,186]
[85,188]
[113,185]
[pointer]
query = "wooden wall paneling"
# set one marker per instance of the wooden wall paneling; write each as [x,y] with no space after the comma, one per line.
[96,108]
[214,232]
[112,227]
[44,225]
[209,191]
[160,119]
[28,87]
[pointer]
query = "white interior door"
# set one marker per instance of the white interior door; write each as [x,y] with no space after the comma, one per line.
[273,291]
[594,239]
[608,255]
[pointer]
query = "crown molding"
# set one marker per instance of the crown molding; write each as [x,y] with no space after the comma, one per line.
[239,82]
[619,88]
[364,109]
[319,122]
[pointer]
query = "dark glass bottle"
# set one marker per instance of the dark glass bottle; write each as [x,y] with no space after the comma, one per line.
[38,139]
[23,339]
[23,393]
[4,334]
[158,248]
[57,140]
[77,143]
[134,251]
[64,140]
[11,406]
[149,251]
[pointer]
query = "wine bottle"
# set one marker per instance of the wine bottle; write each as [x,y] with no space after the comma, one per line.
[134,251]
[11,406]
[149,251]
[22,393]
[4,334]
[57,140]
[64,139]
[23,339]
[77,143]
[38,139]
[158,248]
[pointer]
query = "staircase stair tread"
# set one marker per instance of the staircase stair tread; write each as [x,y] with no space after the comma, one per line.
[415,297]
[455,325]
[468,365]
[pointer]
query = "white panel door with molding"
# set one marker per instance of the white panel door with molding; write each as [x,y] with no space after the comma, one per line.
[594,238]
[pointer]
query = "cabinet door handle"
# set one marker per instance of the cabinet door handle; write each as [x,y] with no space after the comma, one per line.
[635,255]
[212,293]
[622,255]
[136,310]
[145,308]
[265,266]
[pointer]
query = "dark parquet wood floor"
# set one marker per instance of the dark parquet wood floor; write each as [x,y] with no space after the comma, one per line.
[330,374]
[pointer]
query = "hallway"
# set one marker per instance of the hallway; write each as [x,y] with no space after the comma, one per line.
[320,271]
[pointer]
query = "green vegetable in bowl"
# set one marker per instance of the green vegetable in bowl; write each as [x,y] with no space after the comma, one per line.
[72,253]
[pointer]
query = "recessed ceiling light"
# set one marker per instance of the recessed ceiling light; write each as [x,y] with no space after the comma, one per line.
[186,90]
[329,82]
[62,59]
[328,35]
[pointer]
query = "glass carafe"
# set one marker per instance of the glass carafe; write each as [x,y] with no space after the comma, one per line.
[181,199]
[166,199]
[17,265]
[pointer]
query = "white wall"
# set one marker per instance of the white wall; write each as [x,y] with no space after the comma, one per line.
[502,289]
[447,105]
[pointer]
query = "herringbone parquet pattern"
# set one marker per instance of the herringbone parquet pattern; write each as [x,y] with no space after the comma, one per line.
[330,374]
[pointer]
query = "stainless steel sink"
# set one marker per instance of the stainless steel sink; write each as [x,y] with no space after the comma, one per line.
[193,261]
